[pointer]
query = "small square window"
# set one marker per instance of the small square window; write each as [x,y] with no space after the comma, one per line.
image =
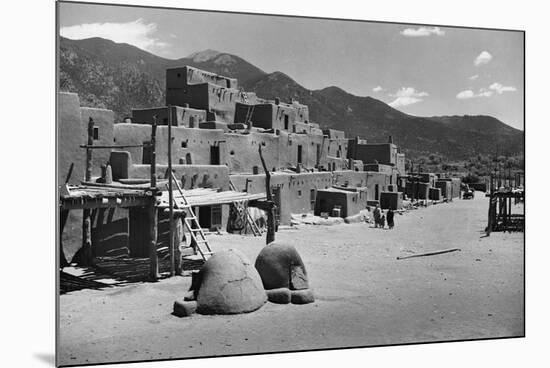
[183,144]
[96,133]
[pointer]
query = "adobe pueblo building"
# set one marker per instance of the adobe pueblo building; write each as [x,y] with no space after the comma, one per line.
[209,134]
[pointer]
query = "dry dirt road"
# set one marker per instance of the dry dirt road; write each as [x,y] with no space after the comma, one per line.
[364,295]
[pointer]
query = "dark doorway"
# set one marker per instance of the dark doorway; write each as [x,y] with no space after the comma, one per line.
[299,154]
[216,216]
[312,198]
[214,155]
[147,153]
[318,156]
[376,189]
[205,217]
[286,122]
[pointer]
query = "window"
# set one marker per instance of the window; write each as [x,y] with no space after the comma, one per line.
[183,144]
[299,154]
[299,193]
[96,133]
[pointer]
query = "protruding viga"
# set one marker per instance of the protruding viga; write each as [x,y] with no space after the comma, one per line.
[283,274]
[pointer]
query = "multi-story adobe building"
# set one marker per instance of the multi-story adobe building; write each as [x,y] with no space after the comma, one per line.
[216,131]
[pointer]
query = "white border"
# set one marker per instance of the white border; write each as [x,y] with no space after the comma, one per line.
[28,182]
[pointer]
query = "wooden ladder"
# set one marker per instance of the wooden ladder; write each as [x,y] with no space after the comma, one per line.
[248,218]
[250,109]
[193,226]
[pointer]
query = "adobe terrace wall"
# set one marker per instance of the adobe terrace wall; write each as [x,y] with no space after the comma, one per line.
[295,189]
[104,121]
[181,116]
[186,142]
[70,135]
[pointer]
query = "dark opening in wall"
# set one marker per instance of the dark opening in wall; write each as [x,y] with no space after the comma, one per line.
[286,122]
[183,144]
[96,133]
[299,193]
[232,152]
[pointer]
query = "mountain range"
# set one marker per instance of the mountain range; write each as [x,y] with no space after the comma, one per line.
[120,77]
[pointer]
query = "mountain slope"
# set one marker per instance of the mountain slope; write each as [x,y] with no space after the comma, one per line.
[456,137]
[121,77]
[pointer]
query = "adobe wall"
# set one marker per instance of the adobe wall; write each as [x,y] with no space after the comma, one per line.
[326,200]
[186,142]
[243,155]
[302,112]
[351,200]
[70,135]
[445,187]
[400,164]
[184,76]
[191,176]
[384,153]
[181,116]
[222,102]
[104,121]
[195,95]
[295,189]
[337,147]
[368,179]
[455,186]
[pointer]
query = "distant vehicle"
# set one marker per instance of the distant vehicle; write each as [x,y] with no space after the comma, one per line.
[468,194]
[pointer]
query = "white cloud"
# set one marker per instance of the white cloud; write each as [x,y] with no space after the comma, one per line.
[485,92]
[137,33]
[422,32]
[483,58]
[377,89]
[464,95]
[500,89]
[473,77]
[467,94]
[406,96]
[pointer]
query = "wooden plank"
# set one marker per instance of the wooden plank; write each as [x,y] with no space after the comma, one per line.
[153,257]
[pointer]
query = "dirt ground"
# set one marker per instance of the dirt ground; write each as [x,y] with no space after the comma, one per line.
[364,295]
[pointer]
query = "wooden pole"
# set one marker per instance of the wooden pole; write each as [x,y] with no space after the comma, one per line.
[270,236]
[153,228]
[86,218]
[427,254]
[152,209]
[153,153]
[62,221]
[171,196]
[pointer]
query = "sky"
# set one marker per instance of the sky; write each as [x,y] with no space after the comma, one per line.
[420,70]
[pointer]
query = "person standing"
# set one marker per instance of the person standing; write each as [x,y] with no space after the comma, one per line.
[389,217]
[376,213]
